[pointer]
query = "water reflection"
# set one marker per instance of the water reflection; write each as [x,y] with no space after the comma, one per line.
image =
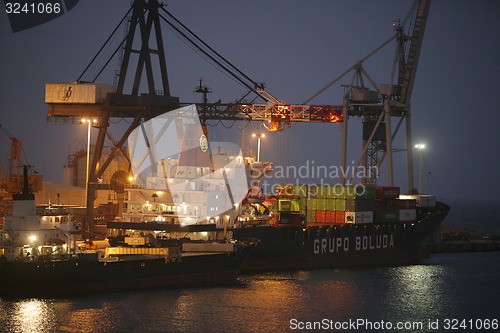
[452,286]
[418,291]
[32,316]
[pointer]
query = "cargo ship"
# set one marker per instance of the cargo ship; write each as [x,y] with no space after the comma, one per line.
[39,258]
[337,226]
[298,226]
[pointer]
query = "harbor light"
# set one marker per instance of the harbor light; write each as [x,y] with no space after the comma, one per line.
[258,136]
[420,147]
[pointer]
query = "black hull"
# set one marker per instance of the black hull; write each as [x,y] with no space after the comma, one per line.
[81,277]
[351,245]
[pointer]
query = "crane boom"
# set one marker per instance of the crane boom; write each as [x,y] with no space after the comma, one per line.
[417,37]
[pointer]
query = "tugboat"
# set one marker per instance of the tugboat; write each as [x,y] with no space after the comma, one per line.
[33,270]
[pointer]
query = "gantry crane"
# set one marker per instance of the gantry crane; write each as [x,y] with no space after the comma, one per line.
[376,106]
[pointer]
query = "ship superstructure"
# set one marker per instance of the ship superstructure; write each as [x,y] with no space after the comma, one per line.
[32,230]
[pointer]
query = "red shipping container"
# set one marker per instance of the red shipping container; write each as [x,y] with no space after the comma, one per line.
[407,203]
[330,216]
[320,216]
[386,192]
[339,217]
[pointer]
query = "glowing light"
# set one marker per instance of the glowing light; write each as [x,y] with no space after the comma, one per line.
[420,146]
[32,238]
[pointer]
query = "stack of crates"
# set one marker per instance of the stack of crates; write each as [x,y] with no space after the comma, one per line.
[336,203]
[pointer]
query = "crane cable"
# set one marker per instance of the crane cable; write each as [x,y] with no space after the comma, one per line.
[200,45]
[102,48]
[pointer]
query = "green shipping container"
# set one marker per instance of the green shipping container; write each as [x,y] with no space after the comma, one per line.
[301,190]
[359,191]
[311,216]
[369,193]
[340,205]
[330,204]
[312,204]
[386,216]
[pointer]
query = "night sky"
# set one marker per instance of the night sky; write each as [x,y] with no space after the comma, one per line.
[295,47]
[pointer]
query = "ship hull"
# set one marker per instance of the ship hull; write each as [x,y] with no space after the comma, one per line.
[80,276]
[284,248]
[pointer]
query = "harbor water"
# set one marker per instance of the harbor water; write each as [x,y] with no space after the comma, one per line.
[448,290]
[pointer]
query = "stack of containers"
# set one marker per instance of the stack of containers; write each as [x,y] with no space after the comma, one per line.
[407,209]
[325,205]
[336,203]
[358,202]
[308,202]
[387,204]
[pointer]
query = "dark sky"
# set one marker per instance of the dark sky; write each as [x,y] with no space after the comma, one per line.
[295,47]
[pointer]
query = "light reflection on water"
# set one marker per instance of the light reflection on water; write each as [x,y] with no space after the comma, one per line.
[457,286]
[32,316]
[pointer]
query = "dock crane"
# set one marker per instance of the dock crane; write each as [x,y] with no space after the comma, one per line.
[69,102]
[377,106]
[12,180]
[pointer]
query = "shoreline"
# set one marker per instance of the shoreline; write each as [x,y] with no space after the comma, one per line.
[473,245]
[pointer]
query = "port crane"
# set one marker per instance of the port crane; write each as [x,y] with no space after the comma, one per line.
[376,106]
[11,181]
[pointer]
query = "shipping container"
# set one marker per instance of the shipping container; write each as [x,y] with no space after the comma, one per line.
[387,192]
[422,200]
[386,204]
[312,191]
[353,205]
[312,204]
[330,216]
[301,190]
[386,216]
[359,217]
[340,205]
[406,215]
[311,216]
[339,217]
[302,203]
[407,203]
[330,204]
[320,216]
[320,204]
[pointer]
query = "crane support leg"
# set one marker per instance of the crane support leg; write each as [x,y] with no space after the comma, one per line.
[388,143]
[343,161]
[409,152]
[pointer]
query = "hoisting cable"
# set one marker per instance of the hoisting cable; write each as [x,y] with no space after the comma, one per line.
[256,85]
[211,57]
[102,48]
